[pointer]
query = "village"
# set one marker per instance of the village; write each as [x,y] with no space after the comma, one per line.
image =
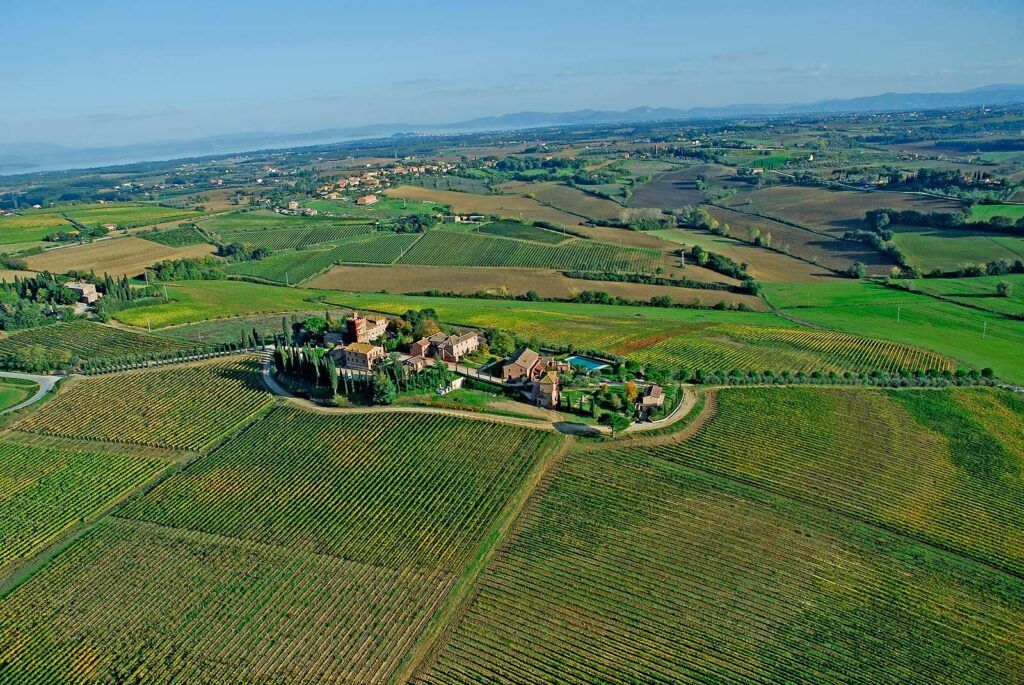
[419,360]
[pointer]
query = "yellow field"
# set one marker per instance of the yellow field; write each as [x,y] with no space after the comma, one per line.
[506,206]
[120,256]
[545,282]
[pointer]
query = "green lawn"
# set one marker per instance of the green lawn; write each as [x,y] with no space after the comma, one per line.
[832,293]
[948,250]
[978,292]
[15,390]
[384,208]
[986,212]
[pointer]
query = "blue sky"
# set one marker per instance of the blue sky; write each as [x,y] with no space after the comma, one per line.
[106,72]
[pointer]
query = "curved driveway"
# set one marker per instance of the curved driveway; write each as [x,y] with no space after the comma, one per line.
[46,384]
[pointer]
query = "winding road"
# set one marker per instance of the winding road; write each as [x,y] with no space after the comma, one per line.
[45,383]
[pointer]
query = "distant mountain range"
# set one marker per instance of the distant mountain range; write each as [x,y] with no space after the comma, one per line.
[28,157]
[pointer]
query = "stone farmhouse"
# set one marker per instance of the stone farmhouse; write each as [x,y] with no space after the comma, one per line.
[450,348]
[528,365]
[359,356]
[86,291]
[545,390]
[359,329]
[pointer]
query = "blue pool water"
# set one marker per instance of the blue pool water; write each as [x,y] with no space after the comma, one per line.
[586,362]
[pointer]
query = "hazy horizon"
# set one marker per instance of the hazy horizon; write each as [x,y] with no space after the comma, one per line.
[116,73]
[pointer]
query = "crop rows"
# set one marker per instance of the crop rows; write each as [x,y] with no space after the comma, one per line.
[755,348]
[440,248]
[88,341]
[295,266]
[176,237]
[863,453]
[629,569]
[187,408]
[44,491]
[291,238]
[345,486]
[517,229]
[307,548]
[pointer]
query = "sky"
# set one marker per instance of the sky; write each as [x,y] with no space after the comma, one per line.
[106,72]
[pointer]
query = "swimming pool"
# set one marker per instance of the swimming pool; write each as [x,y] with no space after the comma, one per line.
[587,363]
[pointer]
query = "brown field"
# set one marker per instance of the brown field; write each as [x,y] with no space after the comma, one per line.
[678,189]
[831,210]
[545,282]
[567,199]
[624,236]
[118,256]
[763,265]
[8,275]
[506,206]
[823,249]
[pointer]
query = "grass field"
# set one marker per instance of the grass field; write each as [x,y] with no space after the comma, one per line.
[256,220]
[452,183]
[128,256]
[291,238]
[501,281]
[980,339]
[204,300]
[978,292]
[31,224]
[629,568]
[384,208]
[14,391]
[233,329]
[440,248]
[304,549]
[87,341]
[669,338]
[987,212]
[46,491]
[127,215]
[156,408]
[935,248]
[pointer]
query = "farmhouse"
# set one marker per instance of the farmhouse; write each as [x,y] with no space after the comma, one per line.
[528,365]
[86,291]
[366,200]
[360,330]
[450,348]
[110,227]
[360,356]
[417,363]
[293,205]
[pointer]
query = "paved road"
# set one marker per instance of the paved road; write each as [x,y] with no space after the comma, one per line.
[46,384]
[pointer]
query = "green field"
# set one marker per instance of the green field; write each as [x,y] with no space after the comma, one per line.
[15,391]
[83,339]
[259,219]
[232,330]
[668,338]
[295,266]
[987,212]
[517,229]
[31,225]
[127,215]
[156,408]
[440,248]
[195,301]
[175,237]
[291,238]
[629,568]
[978,292]
[47,490]
[948,250]
[980,339]
[384,208]
[311,547]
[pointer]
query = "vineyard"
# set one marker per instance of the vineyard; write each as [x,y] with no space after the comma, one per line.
[45,491]
[940,466]
[176,237]
[296,266]
[440,248]
[87,340]
[292,238]
[631,569]
[521,231]
[754,348]
[308,548]
[187,408]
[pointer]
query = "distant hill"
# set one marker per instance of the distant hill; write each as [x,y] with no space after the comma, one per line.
[25,157]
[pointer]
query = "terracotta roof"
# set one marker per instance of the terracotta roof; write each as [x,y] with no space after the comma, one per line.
[653,391]
[364,348]
[438,337]
[527,358]
[550,378]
